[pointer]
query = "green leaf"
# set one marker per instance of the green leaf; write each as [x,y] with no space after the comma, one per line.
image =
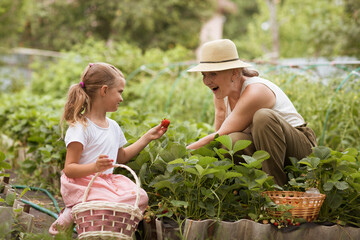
[36,139]
[252,162]
[248,159]
[328,186]
[348,158]
[221,156]
[46,160]
[226,141]
[2,156]
[220,174]
[256,165]
[261,155]
[10,198]
[210,210]
[199,169]
[204,151]
[240,145]
[18,210]
[192,171]
[5,165]
[337,176]
[224,164]
[23,192]
[142,158]
[165,184]
[312,162]
[172,167]
[351,151]
[168,214]
[341,185]
[177,203]
[231,175]
[173,151]
[355,175]
[205,161]
[206,192]
[209,171]
[334,200]
[176,161]
[262,179]
[202,205]
[133,165]
[143,172]
[322,152]
[253,216]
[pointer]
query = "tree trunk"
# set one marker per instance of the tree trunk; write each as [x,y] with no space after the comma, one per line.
[274,27]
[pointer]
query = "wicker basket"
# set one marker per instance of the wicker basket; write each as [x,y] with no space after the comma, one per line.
[304,206]
[100,219]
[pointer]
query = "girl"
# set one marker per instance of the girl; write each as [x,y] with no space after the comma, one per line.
[95,142]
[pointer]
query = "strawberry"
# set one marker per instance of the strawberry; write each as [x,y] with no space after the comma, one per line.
[147,219]
[165,123]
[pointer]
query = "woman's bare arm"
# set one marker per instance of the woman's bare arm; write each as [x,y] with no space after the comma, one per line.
[220,111]
[254,97]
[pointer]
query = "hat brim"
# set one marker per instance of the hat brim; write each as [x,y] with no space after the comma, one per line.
[211,67]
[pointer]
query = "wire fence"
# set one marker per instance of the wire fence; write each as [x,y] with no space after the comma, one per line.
[349,70]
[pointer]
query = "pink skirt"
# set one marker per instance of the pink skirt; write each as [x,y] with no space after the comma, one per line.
[106,187]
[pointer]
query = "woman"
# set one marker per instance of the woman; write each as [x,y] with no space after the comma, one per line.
[252,108]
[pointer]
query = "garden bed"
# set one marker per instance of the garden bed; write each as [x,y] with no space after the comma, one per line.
[248,229]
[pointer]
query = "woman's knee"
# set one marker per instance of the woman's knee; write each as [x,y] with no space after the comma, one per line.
[263,118]
[235,136]
[263,115]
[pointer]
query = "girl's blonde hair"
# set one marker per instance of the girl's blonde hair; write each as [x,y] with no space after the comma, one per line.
[80,95]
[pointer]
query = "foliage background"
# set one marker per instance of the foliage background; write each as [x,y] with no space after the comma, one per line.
[307,29]
[153,43]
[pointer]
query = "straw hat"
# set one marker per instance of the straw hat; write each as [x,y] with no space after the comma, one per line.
[218,55]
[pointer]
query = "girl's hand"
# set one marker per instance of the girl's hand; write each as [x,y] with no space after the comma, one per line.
[103,163]
[156,132]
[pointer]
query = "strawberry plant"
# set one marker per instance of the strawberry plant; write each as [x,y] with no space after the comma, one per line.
[3,166]
[335,174]
[205,183]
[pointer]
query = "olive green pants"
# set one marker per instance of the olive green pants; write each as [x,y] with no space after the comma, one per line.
[271,133]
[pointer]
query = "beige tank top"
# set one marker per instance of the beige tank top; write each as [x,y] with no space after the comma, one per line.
[283,105]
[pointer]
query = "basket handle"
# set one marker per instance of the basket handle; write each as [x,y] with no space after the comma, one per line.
[122,166]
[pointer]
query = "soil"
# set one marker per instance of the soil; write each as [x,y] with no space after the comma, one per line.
[42,220]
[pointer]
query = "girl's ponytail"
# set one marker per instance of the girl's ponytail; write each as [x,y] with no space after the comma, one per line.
[76,103]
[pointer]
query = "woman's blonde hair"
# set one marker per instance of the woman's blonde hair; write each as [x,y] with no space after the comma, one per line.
[80,95]
[249,72]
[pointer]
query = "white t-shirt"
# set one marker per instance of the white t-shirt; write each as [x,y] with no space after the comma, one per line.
[283,105]
[97,141]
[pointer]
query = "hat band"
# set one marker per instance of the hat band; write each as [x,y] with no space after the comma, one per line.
[221,61]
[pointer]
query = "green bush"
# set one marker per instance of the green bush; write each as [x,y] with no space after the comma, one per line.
[55,77]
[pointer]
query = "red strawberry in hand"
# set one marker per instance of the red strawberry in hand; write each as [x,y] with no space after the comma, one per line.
[165,123]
